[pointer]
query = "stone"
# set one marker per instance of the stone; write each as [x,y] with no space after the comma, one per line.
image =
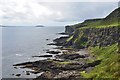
[18,75]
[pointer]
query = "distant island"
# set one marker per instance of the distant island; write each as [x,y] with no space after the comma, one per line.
[39,26]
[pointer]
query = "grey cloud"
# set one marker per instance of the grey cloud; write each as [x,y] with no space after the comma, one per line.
[78,11]
[55,12]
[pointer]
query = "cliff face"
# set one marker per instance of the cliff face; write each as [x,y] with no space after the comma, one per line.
[94,37]
[103,36]
[104,32]
[69,29]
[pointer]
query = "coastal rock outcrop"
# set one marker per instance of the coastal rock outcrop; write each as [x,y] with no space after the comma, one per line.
[83,38]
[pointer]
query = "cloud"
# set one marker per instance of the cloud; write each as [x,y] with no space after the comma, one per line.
[26,11]
[32,12]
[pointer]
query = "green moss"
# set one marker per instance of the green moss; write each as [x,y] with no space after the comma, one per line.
[78,38]
[69,38]
[110,65]
[62,63]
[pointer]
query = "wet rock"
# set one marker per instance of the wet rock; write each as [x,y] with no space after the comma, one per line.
[43,56]
[13,74]
[53,52]
[34,72]
[64,66]
[22,64]
[46,50]
[60,41]
[27,73]
[47,39]
[63,33]
[93,64]
[18,75]
[52,44]
[70,56]
[15,67]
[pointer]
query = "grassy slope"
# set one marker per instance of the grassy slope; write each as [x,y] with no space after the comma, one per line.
[110,65]
[111,20]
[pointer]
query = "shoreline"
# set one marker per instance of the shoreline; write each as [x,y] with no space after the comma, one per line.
[69,64]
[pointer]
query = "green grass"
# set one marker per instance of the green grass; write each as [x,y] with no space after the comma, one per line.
[110,65]
[69,38]
[59,63]
[63,63]
[101,24]
[109,21]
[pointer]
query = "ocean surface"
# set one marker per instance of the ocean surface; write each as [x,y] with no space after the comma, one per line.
[19,44]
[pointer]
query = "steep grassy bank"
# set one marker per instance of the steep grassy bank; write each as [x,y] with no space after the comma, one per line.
[113,19]
[110,64]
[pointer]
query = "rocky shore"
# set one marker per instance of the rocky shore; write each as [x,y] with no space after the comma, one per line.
[67,65]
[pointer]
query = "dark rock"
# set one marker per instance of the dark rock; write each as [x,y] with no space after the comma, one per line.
[69,29]
[93,64]
[47,39]
[34,72]
[43,56]
[60,41]
[22,64]
[53,52]
[46,50]
[18,75]
[15,67]
[70,56]
[63,33]
[27,73]
[13,74]
[52,44]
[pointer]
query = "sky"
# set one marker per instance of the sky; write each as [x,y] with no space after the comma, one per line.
[54,12]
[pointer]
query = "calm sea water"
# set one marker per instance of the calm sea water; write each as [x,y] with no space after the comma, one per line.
[20,43]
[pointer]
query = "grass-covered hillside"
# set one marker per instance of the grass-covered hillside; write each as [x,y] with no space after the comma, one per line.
[102,38]
[110,64]
[111,20]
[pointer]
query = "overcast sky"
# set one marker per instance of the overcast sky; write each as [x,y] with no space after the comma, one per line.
[33,12]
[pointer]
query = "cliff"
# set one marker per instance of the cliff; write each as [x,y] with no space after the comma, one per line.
[101,37]
[83,38]
[95,32]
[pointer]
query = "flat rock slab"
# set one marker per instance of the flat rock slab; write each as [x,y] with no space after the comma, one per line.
[43,56]
[70,56]
[53,52]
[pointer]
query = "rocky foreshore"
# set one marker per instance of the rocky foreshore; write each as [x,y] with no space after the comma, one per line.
[67,65]
[64,66]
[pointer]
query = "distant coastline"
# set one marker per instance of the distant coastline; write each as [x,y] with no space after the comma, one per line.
[39,26]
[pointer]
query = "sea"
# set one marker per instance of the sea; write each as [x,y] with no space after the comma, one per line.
[19,44]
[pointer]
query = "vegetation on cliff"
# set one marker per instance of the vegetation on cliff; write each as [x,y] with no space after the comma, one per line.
[102,38]
[110,64]
[113,19]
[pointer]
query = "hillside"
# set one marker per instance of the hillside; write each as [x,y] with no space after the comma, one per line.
[109,21]
[102,38]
